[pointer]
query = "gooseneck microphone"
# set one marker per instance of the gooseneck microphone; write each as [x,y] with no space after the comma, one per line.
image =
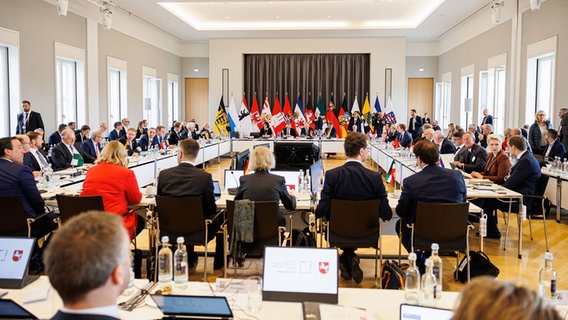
[233,191]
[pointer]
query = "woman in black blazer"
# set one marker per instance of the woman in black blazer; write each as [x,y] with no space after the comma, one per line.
[264,186]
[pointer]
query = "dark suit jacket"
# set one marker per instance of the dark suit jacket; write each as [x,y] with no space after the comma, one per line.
[405,139]
[174,138]
[447,147]
[352,181]
[263,186]
[330,132]
[68,316]
[557,150]
[499,168]
[309,133]
[132,145]
[144,143]
[61,157]
[54,139]
[89,148]
[564,130]
[185,180]
[391,136]
[34,122]
[292,132]
[414,131]
[18,180]
[432,184]
[113,135]
[80,138]
[525,175]
[31,161]
[488,119]
[474,160]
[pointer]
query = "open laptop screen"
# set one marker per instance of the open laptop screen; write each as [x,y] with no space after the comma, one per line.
[412,312]
[300,274]
[196,307]
[290,178]
[14,257]
[232,177]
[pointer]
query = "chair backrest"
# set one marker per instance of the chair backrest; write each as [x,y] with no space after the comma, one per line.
[354,223]
[442,223]
[265,223]
[541,187]
[70,206]
[181,217]
[13,217]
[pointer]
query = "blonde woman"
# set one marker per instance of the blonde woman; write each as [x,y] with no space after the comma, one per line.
[497,165]
[488,298]
[451,131]
[111,179]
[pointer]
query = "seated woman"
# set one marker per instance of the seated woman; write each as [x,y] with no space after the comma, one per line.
[111,179]
[264,186]
[497,165]
[266,131]
[480,298]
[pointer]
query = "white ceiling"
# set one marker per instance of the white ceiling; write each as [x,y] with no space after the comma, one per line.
[200,20]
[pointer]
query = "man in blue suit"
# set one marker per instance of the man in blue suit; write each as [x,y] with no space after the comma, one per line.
[353,181]
[449,186]
[18,180]
[555,148]
[523,178]
[148,141]
[92,147]
[116,133]
[405,137]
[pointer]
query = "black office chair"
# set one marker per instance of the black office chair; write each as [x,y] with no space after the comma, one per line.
[70,206]
[442,223]
[356,224]
[183,217]
[13,216]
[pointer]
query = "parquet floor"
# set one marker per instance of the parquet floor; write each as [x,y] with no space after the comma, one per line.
[523,270]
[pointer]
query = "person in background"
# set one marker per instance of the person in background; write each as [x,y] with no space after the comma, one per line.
[289,132]
[103,127]
[497,165]
[330,131]
[130,144]
[83,134]
[507,134]
[457,139]
[486,130]
[405,138]
[149,141]
[480,297]
[125,123]
[174,138]
[554,148]
[519,132]
[472,128]
[92,147]
[66,155]
[487,118]
[73,126]
[141,129]
[307,131]
[415,124]
[55,138]
[28,120]
[435,125]
[537,132]
[90,277]
[111,179]
[116,133]
[426,118]
[206,132]
[266,131]
[563,128]
[36,159]
[451,130]
[445,146]
[192,131]
[472,157]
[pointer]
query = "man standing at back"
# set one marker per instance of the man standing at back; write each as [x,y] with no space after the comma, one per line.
[186,180]
[449,186]
[28,120]
[415,124]
[93,274]
[563,129]
[352,181]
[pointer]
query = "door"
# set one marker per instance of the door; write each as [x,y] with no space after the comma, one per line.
[197,100]
[421,96]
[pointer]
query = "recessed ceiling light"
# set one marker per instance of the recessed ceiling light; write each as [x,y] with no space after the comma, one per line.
[420,69]
[196,70]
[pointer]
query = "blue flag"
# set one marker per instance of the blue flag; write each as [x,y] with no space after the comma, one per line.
[377,105]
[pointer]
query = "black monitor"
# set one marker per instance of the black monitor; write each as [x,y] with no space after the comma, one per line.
[241,160]
[255,135]
[261,145]
[292,156]
[316,171]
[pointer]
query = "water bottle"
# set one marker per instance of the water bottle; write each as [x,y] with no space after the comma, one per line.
[429,283]
[412,281]
[49,176]
[307,182]
[180,270]
[483,225]
[165,268]
[301,180]
[437,268]
[565,166]
[547,280]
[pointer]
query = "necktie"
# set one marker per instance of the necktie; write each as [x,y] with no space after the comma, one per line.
[97,149]
[41,159]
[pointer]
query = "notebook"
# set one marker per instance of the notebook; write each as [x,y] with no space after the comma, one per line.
[15,254]
[412,312]
[216,190]
[300,274]
[11,310]
[193,307]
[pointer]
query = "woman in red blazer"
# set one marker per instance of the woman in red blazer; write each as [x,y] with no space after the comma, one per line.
[117,184]
[497,165]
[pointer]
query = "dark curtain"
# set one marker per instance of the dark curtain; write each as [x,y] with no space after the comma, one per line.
[308,75]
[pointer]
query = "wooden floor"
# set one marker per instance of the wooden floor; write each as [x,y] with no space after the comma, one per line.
[523,270]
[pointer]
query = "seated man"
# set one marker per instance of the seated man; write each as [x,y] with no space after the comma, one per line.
[116,133]
[555,148]
[129,142]
[472,156]
[186,180]
[65,155]
[523,178]
[405,139]
[449,186]
[445,145]
[352,181]
[92,147]
[55,138]
[149,141]
[289,132]
[93,275]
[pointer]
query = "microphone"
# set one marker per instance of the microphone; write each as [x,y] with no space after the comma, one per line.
[233,191]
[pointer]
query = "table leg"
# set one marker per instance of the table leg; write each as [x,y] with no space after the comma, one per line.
[558,198]
[520,223]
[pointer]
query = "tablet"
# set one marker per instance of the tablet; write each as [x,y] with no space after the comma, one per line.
[193,307]
[412,312]
[11,310]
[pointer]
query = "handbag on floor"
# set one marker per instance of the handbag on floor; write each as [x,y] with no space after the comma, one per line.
[479,265]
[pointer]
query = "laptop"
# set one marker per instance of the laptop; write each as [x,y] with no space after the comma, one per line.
[11,310]
[15,255]
[413,312]
[216,190]
[300,274]
[193,307]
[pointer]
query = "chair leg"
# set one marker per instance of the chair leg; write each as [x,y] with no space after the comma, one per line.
[205,260]
[508,220]
[544,225]
[530,226]
[225,246]
[457,265]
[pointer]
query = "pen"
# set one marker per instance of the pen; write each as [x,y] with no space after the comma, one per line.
[3,294]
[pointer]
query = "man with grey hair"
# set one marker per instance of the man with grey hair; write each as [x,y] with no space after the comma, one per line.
[563,129]
[486,130]
[472,157]
[444,145]
[63,155]
[90,275]
[92,147]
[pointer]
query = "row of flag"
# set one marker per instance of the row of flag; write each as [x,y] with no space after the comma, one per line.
[278,116]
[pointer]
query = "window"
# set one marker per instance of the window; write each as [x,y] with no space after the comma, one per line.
[117,94]
[466,117]
[151,87]
[443,94]
[540,79]
[9,81]
[4,99]
[173,98]
[492,94]
[70,84]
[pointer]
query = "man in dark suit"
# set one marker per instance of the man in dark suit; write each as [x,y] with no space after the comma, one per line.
[100,237]
[28,120]
[563,129]
[353,181]
[330,131]
[18,180]
[83,134]
[487,118]
[523,178]
[55,138]
[450,186]
[36,159]
[116,133]
[289,131]
[555,148]
[445,146]
[414,124]
[405,138]
[125,124]
[471,157]
[483,137]
[92,147]
[186,180]
[149,141]
[174,138]
[63,155]
[129,142]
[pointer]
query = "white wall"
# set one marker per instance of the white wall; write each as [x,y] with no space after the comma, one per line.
[384,53]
